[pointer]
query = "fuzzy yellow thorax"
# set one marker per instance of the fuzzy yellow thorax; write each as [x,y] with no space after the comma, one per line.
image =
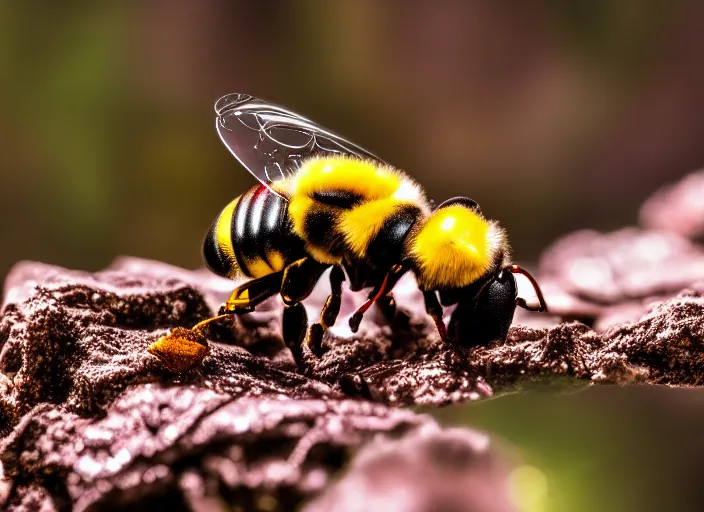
[382,190]
[345,173]
[362,223]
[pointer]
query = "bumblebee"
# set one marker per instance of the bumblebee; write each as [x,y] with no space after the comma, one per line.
[322,203]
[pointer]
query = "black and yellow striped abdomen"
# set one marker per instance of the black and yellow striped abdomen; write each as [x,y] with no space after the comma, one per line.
[252,236]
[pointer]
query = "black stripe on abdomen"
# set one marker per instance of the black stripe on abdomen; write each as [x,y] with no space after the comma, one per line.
[261,234]
[240,240]
[213,257]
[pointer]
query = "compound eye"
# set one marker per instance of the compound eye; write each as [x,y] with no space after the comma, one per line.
[462,201]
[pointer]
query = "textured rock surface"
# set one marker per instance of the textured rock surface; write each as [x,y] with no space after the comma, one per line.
[90,420]
[604,279]
[678,208]
[455,463]
[187,444]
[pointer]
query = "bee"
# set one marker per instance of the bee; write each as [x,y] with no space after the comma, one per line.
[322,202]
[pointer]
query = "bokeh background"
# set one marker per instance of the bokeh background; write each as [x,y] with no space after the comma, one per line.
[554,115]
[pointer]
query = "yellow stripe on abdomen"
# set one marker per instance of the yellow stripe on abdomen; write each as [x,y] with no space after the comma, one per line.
[223,235]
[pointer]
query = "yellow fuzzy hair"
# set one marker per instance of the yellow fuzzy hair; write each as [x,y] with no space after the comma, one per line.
[454,248]
[258,267]
[298,207]
[322,256]
[276,260]
[381,187]
[362,223]
[345,173]
[223,235]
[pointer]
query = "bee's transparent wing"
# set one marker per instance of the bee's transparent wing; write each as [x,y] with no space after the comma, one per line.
[271,142]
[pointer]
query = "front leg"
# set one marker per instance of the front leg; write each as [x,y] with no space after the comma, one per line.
[434,309]
[299,279]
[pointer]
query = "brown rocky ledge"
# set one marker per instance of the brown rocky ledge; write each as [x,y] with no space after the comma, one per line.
[90,420]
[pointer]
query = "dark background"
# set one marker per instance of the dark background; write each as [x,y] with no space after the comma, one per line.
[555,116]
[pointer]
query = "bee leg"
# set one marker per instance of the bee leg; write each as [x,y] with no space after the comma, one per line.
[295,324]
[330,310]
[387,306]
[248,295]
[520,301]
[182,349]
[434,309]
[299,279]
[377,293]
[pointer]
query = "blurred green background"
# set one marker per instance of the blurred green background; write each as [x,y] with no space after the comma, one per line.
[554,116]
[601,449]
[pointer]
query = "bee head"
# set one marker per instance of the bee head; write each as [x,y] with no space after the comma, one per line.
[457,246]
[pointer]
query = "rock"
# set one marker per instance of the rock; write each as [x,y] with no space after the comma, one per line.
[187,444]
[678,208]
[79,340]
[605,279]
[89,419]
[664,346]
[426,470]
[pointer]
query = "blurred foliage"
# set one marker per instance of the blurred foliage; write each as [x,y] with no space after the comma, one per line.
[555,116]
[605,448]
